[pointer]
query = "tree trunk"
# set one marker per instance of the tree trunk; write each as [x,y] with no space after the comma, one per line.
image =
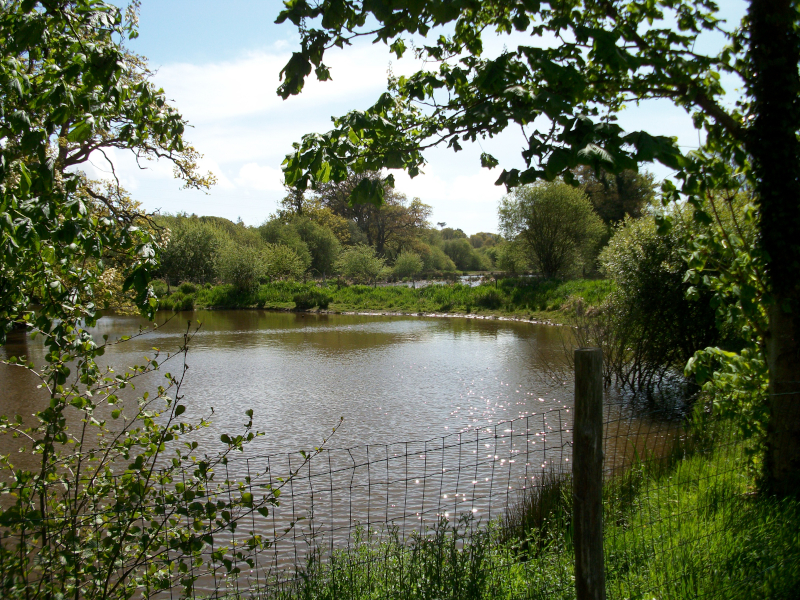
[773,144]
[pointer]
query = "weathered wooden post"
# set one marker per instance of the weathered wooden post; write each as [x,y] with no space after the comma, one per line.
[587,475]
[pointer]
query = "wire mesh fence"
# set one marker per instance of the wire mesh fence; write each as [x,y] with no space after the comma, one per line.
[371,521]
[487,513]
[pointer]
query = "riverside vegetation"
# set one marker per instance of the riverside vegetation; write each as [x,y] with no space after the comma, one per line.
[509,297]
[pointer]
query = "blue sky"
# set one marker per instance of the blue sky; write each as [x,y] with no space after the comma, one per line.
[219,64]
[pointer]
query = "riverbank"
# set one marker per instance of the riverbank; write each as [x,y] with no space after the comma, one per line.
[512,298]
[684,526]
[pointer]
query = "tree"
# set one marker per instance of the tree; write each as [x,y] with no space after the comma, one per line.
[282,262]
[617,195]
[69,92]
[611,53]
[360,263]
[463,254]
[104,511]
[395,221]
[407,264]
[556,224]
[321,242]
[191,252]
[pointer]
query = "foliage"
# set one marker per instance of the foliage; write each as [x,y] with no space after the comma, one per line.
[565,97]
[125,502]
[616,196]
[464,255]
[321,242]
[281,262]
[97,501]
[387,227]
[653,327]
[192,250]
[556,225]
[310,298]
[434,259]
[70,92]
[281,233]
[724,261]
[360,263]
[407,264]
[243,266]
[483,239]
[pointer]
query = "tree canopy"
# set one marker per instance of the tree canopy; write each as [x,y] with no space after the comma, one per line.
[556,225]
[585,61]
[70,91]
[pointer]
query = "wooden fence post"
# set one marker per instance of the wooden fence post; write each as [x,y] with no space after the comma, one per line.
[587,475]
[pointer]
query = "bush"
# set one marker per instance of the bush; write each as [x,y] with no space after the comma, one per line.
[177,302]
[488,298]
[652,326]
[187,288]
[308,299]
[360,263]
[159,287]
[407,264]
[242,266]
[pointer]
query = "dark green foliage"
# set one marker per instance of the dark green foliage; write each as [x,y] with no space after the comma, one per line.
[654,327]
[616,196]
[187,288]
[488,298]
[312,298]
[177,302]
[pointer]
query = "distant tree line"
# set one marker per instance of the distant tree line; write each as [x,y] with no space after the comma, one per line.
[550,229]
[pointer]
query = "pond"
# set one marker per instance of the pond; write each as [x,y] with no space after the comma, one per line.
[391,378]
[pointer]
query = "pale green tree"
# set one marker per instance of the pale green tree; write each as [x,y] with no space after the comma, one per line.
[556,225]
[407,264]
[360,263]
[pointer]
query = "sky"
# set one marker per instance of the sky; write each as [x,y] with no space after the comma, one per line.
[219,64]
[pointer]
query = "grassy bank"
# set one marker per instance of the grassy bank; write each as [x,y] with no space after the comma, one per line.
[526,298]
[685,527]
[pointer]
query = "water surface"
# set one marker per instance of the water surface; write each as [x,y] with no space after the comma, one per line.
[391,378]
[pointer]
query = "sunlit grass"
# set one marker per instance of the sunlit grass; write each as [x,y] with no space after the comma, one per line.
[683,525]
[517,297]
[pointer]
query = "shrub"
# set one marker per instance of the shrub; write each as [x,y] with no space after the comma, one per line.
[242,266]
[187,288]
[652,326]
[360,263]
[488,298]
[310,298]
[159,287]
[407,264]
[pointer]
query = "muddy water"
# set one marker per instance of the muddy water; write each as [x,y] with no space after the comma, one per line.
[396,380]
[391,378]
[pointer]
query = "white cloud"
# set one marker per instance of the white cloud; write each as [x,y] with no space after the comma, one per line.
[260,178]
[467,201]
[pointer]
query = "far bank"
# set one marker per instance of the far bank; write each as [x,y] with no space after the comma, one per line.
[513,298]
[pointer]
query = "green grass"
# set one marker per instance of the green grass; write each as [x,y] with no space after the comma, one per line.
[680,525]
[514,297]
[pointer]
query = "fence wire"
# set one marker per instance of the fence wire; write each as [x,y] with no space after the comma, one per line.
[486,513]
[407,519]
